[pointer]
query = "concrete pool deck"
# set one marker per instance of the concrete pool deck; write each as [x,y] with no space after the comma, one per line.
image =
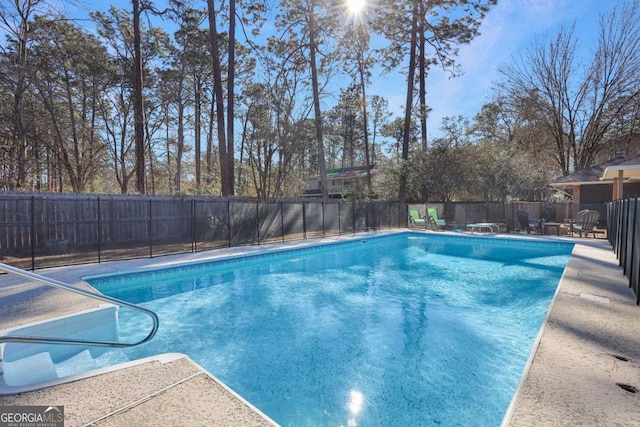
[590,343]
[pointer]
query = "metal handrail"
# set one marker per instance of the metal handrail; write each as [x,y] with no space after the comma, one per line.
[68,341]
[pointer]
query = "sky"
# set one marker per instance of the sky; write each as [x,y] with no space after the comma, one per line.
[506,32]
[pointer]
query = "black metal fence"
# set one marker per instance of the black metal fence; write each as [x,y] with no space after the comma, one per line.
[38,231]
[46,230]
[623,217]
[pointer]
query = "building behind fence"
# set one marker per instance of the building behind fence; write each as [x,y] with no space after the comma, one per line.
[45,230]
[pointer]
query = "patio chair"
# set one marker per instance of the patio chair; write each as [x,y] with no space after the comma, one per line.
[414,218]
[588,224]
[527,221]
[432,214]
[578,220]
[580,215]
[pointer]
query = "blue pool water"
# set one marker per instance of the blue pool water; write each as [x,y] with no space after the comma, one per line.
[409,329]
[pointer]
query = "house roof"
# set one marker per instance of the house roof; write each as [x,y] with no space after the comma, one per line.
[349,172]
[629,172]
[593,174]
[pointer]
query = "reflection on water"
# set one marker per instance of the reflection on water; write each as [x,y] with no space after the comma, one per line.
[394,331]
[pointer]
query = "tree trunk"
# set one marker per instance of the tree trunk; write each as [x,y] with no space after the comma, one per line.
[407,113]
[180,147]
[316,101]
[198,132]
[20,133]
[138,102]
[168,148]
[209,154]
[365,123]
[231,66]
[217,88]
[423,80]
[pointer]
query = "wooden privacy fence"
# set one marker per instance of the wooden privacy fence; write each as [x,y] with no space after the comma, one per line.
[623,219]
[39,231]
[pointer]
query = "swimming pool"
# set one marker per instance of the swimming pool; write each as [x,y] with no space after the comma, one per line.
[398,330]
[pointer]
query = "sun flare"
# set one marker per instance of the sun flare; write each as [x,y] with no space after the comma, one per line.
[356,6]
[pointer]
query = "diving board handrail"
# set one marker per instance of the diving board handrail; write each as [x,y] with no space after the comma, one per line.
[68,341]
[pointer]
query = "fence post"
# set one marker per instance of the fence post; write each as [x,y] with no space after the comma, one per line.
[632,232]
[618,226]
[366,216]
[324,227]
[194,244]
[339,221]
[624,255]
[353,216]
[150,228]
[99,232]
[304,221]
[466,207]
[282,221]
[32,240]
[258,221]
[625,230]
[389,216]
[505,209]
[634,282]
[609,223]
[229,220]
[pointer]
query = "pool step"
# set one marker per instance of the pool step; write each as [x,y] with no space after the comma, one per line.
[29,370]
[41,367]
[76,364]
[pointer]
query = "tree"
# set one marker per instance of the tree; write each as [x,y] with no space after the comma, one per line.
[449,167]
[390,171]
[514,131]
[15,20]
[311,28]
[469,163]
[356,43]
[394,130]
[577,108]
[406,131]
[275,130]
[253,12]
[214,40]
[379,118]
[315,90]
[433,23]
[187,74]
[71,75]
[138,104]
[118,103]
[270,139]
[346,127]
